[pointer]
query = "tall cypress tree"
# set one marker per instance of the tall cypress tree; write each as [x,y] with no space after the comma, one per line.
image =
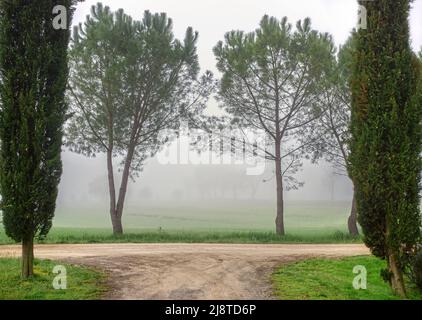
[33,72]
[386,142]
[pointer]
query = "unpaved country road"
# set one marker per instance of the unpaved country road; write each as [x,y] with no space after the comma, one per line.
[187,271]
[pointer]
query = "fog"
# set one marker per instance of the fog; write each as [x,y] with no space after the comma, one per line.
[84,181]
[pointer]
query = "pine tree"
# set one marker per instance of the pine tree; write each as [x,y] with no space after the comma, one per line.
[272,79]
[33,70]
[126,92]
[386,137]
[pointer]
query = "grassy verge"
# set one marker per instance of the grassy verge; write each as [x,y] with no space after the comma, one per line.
[68,236]
[82,283]
[331,279]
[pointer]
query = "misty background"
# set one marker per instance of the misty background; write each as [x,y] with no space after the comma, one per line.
[83,188]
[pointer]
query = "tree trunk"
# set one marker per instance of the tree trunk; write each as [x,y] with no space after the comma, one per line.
[397,282]
[115,220]
[123,190]
[28,257]
[352,221]
[279,221]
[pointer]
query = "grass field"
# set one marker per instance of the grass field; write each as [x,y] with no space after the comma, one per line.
[328,279]
[220,215]
[223,222]
[82,283]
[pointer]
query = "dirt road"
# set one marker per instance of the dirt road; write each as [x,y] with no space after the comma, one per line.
[187,271]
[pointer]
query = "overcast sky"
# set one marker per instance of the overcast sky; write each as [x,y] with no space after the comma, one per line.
[213,18]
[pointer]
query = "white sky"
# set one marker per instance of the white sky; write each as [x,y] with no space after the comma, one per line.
[213,18]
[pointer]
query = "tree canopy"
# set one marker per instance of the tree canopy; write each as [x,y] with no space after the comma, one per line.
[130,81]
[272,79]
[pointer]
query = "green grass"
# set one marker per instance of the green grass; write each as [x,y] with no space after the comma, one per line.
[304,217]
[62,236]
[220,222]
[82,283]
[331,279]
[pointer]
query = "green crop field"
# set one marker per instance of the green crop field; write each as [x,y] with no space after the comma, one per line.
[219,215]
[302,217]
[224,221]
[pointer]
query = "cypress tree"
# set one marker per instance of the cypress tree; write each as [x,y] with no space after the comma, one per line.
[386,137]
[33,72]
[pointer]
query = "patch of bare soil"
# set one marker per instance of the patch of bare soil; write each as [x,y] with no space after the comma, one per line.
[187,271]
